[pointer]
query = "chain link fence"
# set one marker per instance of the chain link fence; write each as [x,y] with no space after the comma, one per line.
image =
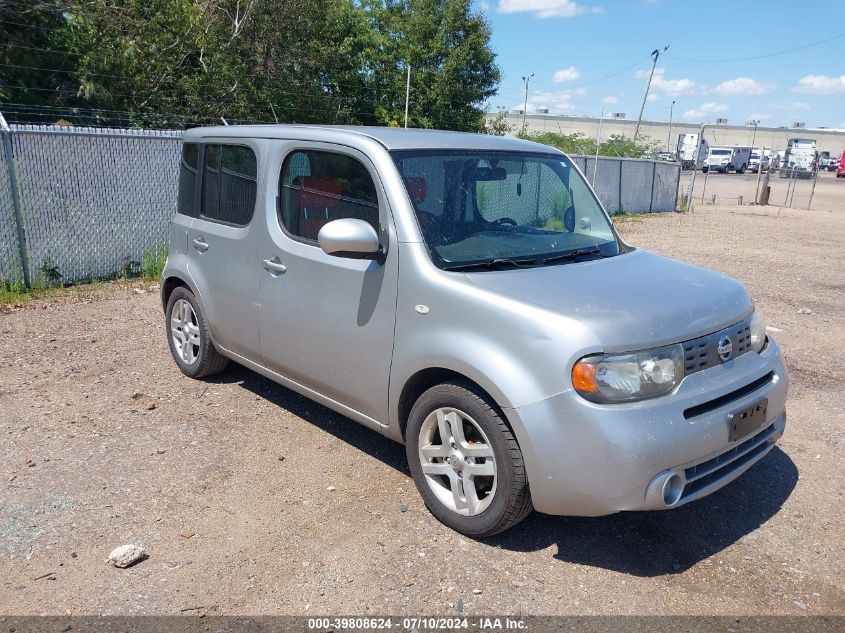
[632,185]
[93,202]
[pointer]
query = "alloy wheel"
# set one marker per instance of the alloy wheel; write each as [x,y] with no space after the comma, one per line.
[185,331]
[457,461]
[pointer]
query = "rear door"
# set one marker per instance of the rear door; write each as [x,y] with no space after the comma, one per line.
[223,241]
[327,322]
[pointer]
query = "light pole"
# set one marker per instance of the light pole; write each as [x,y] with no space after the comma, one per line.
[407,95]
[754,136]
[525,104]
[655,54]
[669,140]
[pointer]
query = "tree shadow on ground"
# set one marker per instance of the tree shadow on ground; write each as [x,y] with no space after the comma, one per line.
[635,543]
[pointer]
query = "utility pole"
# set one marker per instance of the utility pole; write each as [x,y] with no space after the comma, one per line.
[407,94]
[654,54]
[525,104]
[669,140]
[598,140]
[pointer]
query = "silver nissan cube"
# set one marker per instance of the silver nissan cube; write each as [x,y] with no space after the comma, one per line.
[469,297]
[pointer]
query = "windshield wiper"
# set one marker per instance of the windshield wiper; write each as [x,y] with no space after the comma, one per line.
[581,252]
[494,263]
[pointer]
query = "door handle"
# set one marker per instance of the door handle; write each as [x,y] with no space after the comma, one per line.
[275,266]
[199,244]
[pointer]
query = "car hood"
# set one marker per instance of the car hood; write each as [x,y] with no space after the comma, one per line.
[632,301]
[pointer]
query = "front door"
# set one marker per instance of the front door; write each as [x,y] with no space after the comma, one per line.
[222,242]
[327,322]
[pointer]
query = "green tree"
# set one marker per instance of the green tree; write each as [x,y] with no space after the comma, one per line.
[453,69]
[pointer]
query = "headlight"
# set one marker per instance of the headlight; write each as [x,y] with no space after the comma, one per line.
[758,332]
[609,378]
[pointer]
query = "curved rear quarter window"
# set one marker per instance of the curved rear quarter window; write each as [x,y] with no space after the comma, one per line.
[186,204]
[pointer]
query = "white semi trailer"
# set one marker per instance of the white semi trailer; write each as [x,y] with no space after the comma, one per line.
[690,152]
[800,154]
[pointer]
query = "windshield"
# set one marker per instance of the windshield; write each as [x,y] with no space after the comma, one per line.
[511,208]
[720,152]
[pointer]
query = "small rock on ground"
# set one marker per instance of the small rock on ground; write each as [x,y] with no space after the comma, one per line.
[126,555]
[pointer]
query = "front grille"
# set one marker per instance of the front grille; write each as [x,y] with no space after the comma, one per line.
[702,475]
[702,353]
[721,401]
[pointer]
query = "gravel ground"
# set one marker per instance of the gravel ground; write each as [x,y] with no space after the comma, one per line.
[252,500]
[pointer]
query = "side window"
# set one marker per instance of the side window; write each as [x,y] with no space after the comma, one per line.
[229,184]
[317,187]
[188,179]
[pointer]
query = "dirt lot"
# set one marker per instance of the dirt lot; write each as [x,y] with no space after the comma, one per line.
[828,194]
[250,499]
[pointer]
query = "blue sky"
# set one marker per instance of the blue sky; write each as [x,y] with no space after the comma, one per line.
[573,47]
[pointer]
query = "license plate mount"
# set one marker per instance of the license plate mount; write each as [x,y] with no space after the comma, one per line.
[749,419]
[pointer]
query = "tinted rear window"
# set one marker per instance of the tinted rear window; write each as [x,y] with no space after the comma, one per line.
[188,180]
[229,184]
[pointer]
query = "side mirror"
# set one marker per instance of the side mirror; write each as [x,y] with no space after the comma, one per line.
[352,238]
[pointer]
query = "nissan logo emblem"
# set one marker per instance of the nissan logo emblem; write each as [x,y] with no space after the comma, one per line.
[725,348]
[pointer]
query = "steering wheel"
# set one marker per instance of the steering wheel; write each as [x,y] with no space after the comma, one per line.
[508,221]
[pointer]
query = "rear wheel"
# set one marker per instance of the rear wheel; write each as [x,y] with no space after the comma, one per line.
[465,461]
[741,170]
[188,336]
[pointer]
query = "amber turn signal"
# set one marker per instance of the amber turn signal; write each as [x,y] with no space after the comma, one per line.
[584,377]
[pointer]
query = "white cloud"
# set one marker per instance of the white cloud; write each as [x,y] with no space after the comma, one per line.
[795,105]
[556,102]
[672,87]
[546,8]
[567,74]
[743,86]
[706,109]
[610,100]
[821,85]
[652,97]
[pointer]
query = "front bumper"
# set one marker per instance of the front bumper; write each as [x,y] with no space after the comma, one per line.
[590,459]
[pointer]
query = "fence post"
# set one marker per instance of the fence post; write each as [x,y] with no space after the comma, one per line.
[621,167]
[653,178]
[6,133]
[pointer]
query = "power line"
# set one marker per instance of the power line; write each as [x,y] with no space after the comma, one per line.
[41,50]
[764,56]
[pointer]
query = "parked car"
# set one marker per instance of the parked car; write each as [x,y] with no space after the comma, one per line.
[727,159]
[758,160]
[831,164]
[469,296]
[840,170]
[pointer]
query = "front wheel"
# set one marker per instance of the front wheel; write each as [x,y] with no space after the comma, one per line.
[465,461]
[188,336]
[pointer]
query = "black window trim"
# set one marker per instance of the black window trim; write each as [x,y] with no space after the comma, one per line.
[344,150]
[198,194]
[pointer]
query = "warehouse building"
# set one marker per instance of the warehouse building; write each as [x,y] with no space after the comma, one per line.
[720,132]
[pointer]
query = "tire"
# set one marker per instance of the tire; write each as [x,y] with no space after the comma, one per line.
[741,170]
[499,502]
[201,358]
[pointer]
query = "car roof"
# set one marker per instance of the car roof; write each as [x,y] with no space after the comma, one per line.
[390,137]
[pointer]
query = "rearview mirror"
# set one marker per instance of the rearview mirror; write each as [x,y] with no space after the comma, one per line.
[488,173]
[351,238]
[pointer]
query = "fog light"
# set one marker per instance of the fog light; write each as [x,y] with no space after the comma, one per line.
[673,487]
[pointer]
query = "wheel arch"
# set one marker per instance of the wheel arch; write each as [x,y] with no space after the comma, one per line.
[168,285]
[424,379]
